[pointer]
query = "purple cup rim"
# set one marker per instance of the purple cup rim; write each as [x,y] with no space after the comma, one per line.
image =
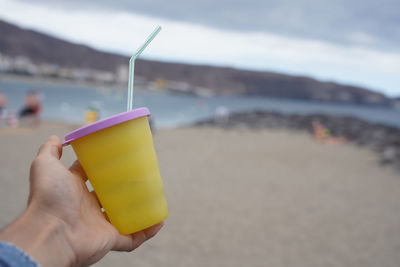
[105,123]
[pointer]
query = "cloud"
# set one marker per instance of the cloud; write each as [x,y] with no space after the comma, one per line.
[187,42]
[356,22]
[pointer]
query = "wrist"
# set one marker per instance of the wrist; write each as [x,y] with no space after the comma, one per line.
[42,236]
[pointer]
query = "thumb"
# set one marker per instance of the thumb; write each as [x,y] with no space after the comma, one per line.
[51,147]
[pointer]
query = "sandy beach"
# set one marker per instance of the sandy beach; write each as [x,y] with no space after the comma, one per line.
[247,198]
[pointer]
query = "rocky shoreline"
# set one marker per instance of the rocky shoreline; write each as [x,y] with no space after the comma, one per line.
[383,139]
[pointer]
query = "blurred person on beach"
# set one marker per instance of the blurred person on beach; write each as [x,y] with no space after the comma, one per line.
[63,224]
[323,135]
[30,113]
[7,117]
[222,114]
[3,105]
[92,114]
[11,119]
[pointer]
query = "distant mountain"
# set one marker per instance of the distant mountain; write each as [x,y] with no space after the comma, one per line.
[42,48]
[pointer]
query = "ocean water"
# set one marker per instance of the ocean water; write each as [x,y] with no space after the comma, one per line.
[69,103]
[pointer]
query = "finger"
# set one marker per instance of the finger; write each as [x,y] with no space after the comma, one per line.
[51,147]
[106,216]
[131,242]
[77,169]
[95,199]
[152,231]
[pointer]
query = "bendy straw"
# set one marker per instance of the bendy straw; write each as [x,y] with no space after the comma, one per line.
[131,83]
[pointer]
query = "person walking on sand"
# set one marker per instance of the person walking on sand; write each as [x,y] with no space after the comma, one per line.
[3,103]
[30,113]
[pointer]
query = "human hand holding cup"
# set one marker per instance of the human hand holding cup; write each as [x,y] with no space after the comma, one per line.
[118,156]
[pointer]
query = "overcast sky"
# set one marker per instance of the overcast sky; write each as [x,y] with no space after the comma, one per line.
[352,41]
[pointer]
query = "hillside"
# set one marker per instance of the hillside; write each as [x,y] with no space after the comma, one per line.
[42,48]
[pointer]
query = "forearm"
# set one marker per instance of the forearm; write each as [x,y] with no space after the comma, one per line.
[41,236]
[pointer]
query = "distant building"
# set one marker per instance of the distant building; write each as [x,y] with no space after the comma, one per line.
[5,63]
[24,65]
[48,70]
[122,74]
[374,99]
[103,76]
[345,96]
[66,73]
[396,103]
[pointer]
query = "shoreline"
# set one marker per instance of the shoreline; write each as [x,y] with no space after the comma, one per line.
[57,81]
[33,80]
[7,77]
[382,139]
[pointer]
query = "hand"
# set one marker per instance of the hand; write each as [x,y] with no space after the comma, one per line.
[65,216]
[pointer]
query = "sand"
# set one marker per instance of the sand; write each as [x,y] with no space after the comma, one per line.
[247,198]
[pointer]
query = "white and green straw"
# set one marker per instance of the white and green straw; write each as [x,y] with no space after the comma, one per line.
[131,82]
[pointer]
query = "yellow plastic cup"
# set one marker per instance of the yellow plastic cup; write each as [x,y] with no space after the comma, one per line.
[118,156]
